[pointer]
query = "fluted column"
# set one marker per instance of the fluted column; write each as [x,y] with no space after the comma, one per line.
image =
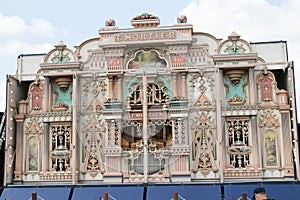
[183,76]
[45,149]
[120,87]
[174,84]
[110,87]
[255,143]
[46,99]
[252,85]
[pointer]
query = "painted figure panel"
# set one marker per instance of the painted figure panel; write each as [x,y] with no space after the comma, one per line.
[147,59]
[33,146]
[270,148]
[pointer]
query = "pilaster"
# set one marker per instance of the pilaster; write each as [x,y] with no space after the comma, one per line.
[19,147]
[174,84]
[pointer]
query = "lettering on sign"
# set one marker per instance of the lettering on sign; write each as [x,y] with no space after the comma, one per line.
[163,35]
[151,115]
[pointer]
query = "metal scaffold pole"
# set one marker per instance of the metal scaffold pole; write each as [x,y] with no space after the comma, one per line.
[2,129]
[145,128]
[219,124]
[74,129]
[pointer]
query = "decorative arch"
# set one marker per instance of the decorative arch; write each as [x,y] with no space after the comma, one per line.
[157,95]
[234,45]
[266,83]
[147,59]
[36,91]
[60,54]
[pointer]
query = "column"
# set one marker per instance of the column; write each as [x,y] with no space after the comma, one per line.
[145,127]
[183,76]
[19,147]
[252,86]
[220,121]
[45,149]
[74,147]
[110,87]
[174,84]
[120,87]
[287,144]
[46,99]
[255,143]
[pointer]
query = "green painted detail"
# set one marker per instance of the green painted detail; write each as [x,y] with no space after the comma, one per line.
[64,95]
[166,83]
[235,92]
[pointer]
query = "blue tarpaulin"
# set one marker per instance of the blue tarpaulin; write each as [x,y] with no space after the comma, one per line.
[233,191]
[114,192]
[43,193]
[185,192]
[275,190]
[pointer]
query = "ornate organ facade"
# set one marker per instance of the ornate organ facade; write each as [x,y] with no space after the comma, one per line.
[153,104]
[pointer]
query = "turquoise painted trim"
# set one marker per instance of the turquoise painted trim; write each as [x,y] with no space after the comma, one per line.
[64,96]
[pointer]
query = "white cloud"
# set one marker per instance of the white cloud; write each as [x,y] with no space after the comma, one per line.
[17,37]
[17,47]
[254,20]
[42,27]
[16,27]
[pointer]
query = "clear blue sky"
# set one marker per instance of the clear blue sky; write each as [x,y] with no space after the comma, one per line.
[35,26]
